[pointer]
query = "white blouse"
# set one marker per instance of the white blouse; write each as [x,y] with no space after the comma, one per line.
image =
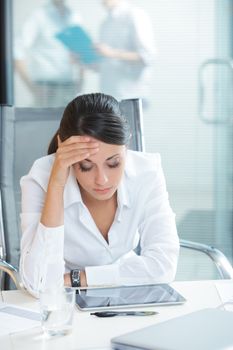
[143,215]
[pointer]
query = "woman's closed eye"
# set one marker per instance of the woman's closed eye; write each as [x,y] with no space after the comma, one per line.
[115,164]
[87,167]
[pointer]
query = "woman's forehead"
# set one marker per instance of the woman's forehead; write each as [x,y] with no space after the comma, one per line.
[107,151]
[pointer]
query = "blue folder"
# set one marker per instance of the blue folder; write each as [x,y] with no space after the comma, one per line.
[77,40]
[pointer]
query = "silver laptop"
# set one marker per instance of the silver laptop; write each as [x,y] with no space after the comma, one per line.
[207,329]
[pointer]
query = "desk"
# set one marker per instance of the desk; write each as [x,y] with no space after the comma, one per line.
[91,332]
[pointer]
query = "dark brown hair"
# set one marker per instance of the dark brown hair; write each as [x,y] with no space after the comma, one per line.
[97,115]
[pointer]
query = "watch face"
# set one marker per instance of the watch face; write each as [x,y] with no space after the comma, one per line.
[75,278]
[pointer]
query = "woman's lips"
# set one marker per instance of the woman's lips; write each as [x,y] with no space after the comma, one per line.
[102,191]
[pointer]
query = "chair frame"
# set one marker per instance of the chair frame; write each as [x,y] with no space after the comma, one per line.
[220,260]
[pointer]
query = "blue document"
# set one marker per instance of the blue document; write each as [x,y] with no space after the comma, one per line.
[77,40]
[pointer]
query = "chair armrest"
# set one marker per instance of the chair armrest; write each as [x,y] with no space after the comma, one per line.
[13,273]
[222,263]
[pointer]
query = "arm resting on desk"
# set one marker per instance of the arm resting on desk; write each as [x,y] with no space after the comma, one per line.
[223,265]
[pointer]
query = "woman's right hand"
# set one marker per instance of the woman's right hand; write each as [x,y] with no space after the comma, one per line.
[69,152]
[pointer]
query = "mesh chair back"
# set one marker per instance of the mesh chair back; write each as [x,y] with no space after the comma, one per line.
[25,134]
[132,110]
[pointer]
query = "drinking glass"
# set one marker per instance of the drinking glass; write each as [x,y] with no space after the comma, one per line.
[56,308]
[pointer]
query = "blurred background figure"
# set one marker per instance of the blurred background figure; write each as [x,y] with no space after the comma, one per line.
[51,73]
[127,47]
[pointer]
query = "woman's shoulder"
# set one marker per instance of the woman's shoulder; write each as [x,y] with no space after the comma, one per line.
[40,171]
[44,163]
[138,163]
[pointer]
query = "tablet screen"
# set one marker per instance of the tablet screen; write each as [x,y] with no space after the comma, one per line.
[125,296]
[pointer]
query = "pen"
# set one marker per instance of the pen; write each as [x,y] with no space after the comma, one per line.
[123,313]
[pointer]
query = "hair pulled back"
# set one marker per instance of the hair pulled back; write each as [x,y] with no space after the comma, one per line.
[96,115]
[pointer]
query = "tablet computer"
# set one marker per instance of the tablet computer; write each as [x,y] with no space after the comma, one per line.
[127,296]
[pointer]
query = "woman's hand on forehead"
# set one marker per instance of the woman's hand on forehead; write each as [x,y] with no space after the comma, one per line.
[71,151]
[77,147]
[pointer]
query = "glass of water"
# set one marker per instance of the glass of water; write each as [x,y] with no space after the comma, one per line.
[57,308]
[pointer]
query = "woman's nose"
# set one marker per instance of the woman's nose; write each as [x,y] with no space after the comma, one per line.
[101,178]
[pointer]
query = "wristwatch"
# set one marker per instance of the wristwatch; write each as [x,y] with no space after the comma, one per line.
[75,278]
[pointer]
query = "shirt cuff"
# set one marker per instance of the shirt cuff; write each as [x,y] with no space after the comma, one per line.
[102,275]
[53,237]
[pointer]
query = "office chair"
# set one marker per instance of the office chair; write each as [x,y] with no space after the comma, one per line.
[25,134]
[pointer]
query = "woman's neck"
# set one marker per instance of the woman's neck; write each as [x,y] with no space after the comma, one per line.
[102,211]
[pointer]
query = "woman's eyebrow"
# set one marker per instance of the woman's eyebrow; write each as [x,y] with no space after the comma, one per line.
[89,160]
[117,154]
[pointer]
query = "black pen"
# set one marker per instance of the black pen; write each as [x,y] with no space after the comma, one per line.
[123,313]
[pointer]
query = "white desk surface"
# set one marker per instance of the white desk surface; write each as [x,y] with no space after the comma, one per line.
[91,332]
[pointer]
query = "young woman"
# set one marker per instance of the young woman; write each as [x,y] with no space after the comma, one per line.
[87,205]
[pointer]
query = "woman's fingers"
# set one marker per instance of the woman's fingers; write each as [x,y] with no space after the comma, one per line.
[73,156]
[72,159]
[77,143]
[69,152]
[78,146]
[75,149]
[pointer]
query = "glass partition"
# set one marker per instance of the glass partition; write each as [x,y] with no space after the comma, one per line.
[158,51]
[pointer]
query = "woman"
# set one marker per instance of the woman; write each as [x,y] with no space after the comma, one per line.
[87,205]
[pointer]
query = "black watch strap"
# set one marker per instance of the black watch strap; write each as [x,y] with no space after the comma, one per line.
[75,278]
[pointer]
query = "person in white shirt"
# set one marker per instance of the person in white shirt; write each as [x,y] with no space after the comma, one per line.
[89,203]
[127,49]
[52,74]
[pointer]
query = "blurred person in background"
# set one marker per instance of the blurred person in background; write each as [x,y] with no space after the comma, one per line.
[127,49]
[52,74]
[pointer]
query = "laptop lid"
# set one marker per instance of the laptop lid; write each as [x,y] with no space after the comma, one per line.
[207,329]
